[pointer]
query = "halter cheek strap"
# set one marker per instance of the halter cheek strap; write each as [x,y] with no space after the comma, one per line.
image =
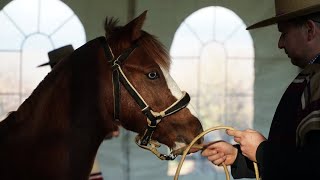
[117,77]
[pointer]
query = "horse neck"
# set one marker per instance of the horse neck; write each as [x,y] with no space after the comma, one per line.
[55,115]
[67,110]
[91,87]
[90,115]
[41,114]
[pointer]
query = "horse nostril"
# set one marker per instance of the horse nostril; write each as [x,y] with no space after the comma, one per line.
[200,129]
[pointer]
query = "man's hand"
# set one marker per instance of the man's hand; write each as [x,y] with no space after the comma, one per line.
[220,152]
[249,141]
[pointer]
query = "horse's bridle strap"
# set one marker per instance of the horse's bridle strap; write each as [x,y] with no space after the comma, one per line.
[178,105]
[107,50]
[116,95]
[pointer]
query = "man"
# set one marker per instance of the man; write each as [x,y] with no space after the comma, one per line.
[292,150]
[54,57]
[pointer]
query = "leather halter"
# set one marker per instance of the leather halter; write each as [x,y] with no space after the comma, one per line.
[153,118]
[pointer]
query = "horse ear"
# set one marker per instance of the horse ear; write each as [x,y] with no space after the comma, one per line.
[134,27]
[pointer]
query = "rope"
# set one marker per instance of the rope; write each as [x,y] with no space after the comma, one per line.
[185,152]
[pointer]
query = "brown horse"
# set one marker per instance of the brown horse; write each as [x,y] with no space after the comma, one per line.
[118,80]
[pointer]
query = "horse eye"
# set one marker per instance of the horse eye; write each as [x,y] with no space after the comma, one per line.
[153,75]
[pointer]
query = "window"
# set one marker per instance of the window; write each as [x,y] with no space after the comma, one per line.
[29,29]
[212,59]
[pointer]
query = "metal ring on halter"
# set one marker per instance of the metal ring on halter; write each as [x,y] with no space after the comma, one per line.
[153,148]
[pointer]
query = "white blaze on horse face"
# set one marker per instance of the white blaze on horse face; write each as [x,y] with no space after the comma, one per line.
[175,90]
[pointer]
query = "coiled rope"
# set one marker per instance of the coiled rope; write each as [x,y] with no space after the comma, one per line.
[185,152]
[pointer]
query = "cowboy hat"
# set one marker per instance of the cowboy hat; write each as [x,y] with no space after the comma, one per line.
[289,9]
[57,54]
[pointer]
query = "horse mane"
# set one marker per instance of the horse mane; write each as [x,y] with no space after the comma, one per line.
[148,42]
[25,109]
[46,82]
[6,125]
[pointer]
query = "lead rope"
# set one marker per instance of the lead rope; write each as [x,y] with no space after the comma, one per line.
[185,152]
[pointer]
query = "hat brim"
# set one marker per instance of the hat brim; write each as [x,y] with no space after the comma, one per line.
[45,64]
[284,17]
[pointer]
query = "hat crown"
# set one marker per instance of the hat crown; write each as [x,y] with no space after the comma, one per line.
[288,6]
[289,9]
[57,54]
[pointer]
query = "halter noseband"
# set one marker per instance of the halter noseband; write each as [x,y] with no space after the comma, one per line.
[153,118]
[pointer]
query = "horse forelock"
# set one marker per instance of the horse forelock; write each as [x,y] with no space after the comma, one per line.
[110,26]
[155,49]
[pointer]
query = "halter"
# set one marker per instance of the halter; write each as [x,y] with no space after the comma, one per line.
[153,118]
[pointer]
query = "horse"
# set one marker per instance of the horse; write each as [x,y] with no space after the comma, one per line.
[120,79]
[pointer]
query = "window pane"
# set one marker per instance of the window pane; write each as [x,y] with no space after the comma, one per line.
[240,45]
[239,112]
[202,23]
[26,40]
[9,72]
[25,14]
[188,44]
[241,78]
[226,23]
[70,33]
[211,109]
[52,18]
[34,53]
[179,67]
[213,68]
[10,36]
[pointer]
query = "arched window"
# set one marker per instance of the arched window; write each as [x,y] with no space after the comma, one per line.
[29,29]
[212,59]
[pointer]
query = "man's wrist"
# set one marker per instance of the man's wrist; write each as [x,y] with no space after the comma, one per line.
[259,152]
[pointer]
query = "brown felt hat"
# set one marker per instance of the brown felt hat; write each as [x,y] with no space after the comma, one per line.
[56,55]
[289,9]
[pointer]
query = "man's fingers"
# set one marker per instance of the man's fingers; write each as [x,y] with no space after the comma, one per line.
[209,152]
[234,133]
[218,162]
[213,145]
[215,157]
[250,130]
[236,139]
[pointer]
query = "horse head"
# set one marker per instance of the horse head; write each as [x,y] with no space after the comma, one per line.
[146,99]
